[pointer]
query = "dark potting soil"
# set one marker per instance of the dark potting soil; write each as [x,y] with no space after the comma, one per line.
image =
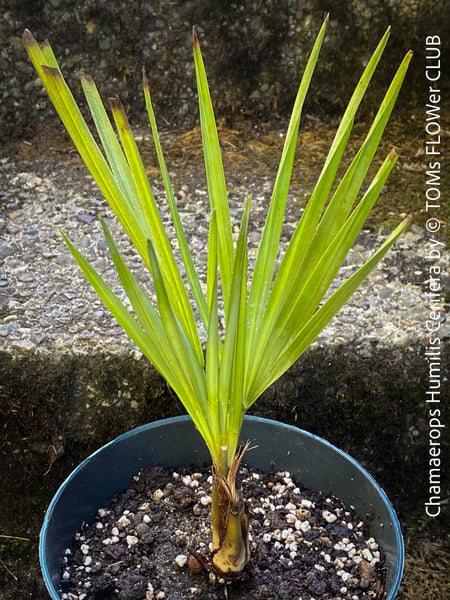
[304,545]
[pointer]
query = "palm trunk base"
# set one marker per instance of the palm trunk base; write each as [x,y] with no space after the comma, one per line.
[230,541]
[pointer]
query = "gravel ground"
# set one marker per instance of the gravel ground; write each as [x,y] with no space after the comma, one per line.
[45,304]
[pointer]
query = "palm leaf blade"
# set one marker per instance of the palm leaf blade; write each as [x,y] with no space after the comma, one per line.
[301,307]
[323,316]
[156,231]
[309,241]
[120,313]
[192,275]
[268,249]
[232,366]
[215,175]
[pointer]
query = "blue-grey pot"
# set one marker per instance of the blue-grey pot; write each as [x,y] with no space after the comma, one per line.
[175,442]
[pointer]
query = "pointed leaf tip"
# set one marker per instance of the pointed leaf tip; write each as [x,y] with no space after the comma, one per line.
[144,78]
[117,106]
[28,38]
[119,113]
[114,103]
[394,152]
[88,78]
[194,37]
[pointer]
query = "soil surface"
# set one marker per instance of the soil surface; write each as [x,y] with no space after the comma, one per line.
[151,542]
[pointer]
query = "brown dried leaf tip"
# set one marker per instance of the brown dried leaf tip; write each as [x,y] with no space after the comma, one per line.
[194,37]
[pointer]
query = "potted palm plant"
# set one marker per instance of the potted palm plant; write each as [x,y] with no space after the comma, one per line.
[269,319]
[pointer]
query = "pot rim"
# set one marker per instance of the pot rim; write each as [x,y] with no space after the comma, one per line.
[182,418]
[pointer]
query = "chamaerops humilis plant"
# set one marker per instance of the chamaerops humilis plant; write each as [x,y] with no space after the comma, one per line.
[269,320]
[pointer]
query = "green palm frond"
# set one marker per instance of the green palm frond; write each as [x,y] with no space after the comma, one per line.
[269,320]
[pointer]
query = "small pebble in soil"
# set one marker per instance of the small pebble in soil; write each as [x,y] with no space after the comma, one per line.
[303,544]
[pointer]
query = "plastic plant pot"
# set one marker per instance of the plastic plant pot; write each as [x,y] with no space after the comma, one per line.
[175,442]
